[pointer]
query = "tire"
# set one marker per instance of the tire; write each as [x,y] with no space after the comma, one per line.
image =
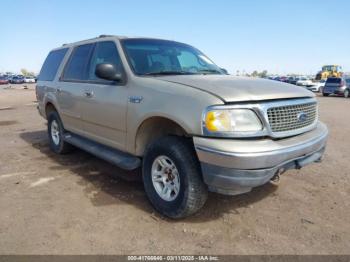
[56,142]
[324,94]
[192,192]
[346,93]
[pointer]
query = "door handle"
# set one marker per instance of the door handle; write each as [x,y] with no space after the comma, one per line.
[89,94]
[58,90]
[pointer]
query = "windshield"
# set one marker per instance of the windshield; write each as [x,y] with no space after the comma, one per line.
[330,68]
[161,57]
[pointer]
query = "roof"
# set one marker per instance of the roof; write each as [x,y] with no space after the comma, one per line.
[105,37]
[95,38]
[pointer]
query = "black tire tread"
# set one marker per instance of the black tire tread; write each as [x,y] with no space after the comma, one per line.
[64,147]
[198,192]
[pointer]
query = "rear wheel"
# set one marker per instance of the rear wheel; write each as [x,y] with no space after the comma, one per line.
[324,94]
[172,177]
[55,131]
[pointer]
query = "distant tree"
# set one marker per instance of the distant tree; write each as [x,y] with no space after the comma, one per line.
[263,74]
[25,72]
[259,74]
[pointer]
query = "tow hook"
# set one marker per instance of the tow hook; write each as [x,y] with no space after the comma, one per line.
[275,180]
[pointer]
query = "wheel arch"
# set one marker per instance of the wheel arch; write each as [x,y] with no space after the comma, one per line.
[155,127]
[49,107]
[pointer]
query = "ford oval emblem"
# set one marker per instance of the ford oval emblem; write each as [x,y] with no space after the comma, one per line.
[302,117]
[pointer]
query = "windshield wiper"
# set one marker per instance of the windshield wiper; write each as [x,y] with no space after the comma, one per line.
[213,71]
[169,73]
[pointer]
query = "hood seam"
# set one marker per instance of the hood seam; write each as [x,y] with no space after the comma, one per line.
[206,91]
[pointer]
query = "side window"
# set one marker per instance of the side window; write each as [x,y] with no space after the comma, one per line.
[105,52]
[51,65]
[76,68]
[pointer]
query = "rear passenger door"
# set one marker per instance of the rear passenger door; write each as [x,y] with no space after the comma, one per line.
[104,105]
[70,88]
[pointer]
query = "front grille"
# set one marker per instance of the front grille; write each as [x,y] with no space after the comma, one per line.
[292,117]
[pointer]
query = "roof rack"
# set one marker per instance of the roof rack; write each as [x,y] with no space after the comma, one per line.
[100,36]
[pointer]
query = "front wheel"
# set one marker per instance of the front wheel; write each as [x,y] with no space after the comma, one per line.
[324,94]
[346,93]
[172,177]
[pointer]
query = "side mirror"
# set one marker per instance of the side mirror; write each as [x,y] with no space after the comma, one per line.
[108,71]
[224,71]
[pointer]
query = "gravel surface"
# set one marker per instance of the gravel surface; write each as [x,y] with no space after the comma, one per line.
[78,204]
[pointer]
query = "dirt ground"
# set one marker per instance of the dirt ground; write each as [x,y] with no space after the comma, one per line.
[78,204]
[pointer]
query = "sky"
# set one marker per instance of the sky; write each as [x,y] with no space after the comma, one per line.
[279,36]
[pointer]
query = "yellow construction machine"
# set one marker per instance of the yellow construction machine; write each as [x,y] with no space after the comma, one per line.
[329,71]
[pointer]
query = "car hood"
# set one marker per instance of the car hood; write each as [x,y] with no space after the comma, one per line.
[237,89]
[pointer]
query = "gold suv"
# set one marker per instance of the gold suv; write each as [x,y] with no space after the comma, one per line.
[165,107]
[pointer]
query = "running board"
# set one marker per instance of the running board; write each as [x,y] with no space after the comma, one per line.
[113,156]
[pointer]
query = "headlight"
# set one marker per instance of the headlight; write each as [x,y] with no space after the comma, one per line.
[232,120]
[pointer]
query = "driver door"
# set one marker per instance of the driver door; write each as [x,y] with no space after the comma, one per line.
[104,104]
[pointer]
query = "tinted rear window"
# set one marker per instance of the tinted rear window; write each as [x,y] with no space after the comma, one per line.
[76,68]
[51,64]
[333,80]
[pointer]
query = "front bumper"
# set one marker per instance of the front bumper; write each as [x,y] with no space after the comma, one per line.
[236,166]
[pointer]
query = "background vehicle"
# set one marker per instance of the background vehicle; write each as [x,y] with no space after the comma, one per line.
[304,81]
[29,79]
[9,77]
[3,80]
[17,80]
[347,90]
[293,80]
[283,79]
[317,86]
[329,71]
[337,85]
